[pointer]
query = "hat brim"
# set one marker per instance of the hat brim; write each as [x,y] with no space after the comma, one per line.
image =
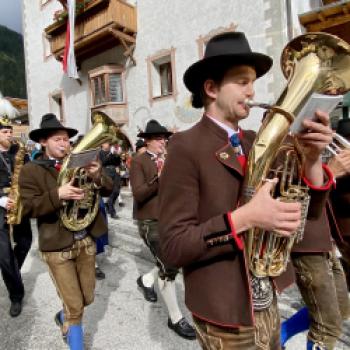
[146,135]
[38,134]
[197,73]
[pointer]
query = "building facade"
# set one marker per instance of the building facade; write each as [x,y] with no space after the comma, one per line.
[132,56]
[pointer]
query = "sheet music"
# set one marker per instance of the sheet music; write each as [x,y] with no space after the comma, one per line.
[326,103]
[81,159]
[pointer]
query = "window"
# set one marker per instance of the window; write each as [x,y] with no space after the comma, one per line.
[166,79]
[107,85]
[56,105]
[161,75]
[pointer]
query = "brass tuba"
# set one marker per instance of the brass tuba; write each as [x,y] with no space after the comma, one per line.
[76,215]
[313,62]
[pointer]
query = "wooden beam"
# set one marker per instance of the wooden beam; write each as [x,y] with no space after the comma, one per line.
[330,22]
[120,35]
[128,50]
[321,17]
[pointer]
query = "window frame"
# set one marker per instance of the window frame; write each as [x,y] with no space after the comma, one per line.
[52,96]
[105,71]
[203,39]
[152,61]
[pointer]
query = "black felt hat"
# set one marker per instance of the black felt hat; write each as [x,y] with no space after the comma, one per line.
[49,124]
[222,52]
[153,128]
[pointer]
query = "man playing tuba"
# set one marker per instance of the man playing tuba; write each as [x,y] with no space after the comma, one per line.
[11,258]
[70,256]
[201,228]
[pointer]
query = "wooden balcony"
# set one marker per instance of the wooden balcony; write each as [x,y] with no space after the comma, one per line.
[101,25]
[333,18]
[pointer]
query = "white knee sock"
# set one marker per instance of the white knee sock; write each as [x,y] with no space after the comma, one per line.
[167,289]
[149,278]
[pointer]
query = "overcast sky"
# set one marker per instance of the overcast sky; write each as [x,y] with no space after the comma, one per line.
[10,14]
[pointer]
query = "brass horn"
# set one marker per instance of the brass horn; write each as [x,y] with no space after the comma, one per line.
[313,62]
[76,215]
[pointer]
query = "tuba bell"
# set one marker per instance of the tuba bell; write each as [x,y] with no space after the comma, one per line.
[76,215]
[313,62]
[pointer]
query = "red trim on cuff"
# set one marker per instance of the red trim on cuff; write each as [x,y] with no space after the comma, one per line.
[238,241]
[325,187]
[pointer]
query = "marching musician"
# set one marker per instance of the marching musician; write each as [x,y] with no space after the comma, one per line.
[340,198]
[200,223]
[145,171]
[11,258]
[70,256]
[319,274]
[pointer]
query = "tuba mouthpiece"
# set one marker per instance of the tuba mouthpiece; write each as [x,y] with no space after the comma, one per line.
[251,103]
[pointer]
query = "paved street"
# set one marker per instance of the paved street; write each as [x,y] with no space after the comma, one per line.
[119,318]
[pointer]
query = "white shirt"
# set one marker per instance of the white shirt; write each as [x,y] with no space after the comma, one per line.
[229,131]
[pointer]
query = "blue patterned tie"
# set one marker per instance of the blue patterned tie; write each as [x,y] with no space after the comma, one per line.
[234,139]
[236,144]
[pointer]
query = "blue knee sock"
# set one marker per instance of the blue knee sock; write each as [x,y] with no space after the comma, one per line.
[75,337]
[297,323]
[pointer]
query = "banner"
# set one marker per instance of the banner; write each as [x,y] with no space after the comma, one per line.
[69,64]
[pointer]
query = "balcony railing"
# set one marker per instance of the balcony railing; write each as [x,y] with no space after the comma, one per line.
[97,28]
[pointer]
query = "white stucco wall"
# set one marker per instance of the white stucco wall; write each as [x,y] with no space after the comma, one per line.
[162,25]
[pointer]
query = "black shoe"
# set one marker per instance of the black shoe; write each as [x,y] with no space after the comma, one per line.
[100,275]
[114,216]
[121,204]
[148,292]
[183,329]
[59,322]
[16,308]
[58,319]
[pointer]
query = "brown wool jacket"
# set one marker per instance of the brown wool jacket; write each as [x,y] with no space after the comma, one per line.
[200,183]
[144,185]
[39,195]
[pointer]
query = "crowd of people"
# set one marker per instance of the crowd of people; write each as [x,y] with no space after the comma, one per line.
[187,190]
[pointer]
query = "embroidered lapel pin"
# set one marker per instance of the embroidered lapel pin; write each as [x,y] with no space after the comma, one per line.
[224,155]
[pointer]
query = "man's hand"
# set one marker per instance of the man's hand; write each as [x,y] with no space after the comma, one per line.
[68,191]
[94,170]
[10,204]
[340,164]
[317,137]
[267,213]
